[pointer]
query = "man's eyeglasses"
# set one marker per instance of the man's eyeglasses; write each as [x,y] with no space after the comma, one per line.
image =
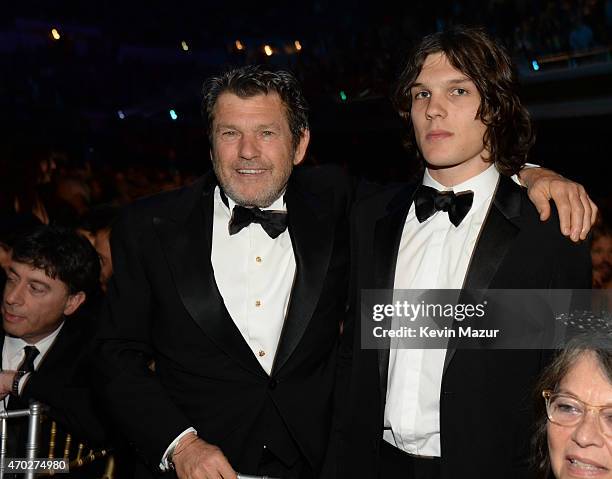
[566,410]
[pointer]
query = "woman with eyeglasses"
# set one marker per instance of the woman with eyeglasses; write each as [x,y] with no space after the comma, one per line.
[574,429]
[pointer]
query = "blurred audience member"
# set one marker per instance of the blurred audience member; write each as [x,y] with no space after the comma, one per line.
[70,200]
[574,427]
[581,36]
[25,171]
[601,256]
[96,226]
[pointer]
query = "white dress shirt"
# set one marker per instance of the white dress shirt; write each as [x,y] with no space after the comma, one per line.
[254,274]
[13,353]
[432,255]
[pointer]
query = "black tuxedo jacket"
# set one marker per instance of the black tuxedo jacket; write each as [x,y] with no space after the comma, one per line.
[63,382]
[164,305]
[485,403]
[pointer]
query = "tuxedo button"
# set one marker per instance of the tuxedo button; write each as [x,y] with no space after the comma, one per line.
[261,353]
[258,303]
[273,383]
[258,259]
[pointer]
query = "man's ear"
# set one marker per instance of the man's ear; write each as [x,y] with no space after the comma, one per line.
[73,302]
[300,151]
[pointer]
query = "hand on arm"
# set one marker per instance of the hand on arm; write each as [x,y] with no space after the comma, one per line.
[6,383]
[194,458]
[577,212]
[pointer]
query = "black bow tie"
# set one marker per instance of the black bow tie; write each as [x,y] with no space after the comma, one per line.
[427,201]
[273,222]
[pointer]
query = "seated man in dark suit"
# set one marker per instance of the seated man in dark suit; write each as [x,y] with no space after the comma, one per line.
[51,276]
[452,413]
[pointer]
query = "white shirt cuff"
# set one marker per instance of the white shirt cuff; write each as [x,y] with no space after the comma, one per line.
[526,165]
[164,465]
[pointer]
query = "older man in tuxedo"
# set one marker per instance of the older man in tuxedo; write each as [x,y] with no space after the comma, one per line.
[235,287]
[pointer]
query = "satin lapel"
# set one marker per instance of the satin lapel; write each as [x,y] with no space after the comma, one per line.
[311,227]
[61,350]
[187,243]
[387,236]
[496,235]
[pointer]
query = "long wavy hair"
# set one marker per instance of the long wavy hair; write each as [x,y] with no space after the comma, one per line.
[509,135]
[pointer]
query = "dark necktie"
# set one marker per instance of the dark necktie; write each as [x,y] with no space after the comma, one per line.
[273,222]
[26,366]
[428,201]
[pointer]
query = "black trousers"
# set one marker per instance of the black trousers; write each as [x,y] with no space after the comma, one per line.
[396,464]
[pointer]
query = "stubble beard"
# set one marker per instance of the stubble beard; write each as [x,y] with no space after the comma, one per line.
[262,199]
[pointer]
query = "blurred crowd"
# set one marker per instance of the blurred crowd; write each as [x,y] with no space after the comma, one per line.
[50,188]
[365,60]
[357,51]
[601,255]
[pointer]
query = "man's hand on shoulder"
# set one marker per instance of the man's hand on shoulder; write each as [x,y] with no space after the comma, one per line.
[6,383]
[194,458]
[577,212]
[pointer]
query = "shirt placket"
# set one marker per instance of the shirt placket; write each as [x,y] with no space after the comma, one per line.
[257,300]
[434,251]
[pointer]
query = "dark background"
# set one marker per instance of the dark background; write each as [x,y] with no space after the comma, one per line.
[64,97]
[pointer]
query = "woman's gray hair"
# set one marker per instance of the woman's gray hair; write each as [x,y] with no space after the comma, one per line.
[600,346]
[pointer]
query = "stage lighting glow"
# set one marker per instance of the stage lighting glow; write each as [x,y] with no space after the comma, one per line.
[184,46]
[173,115]
[298,45]
[239,45]
[268,50]
[342,95]
[535,65]
[55,34]
[121,115]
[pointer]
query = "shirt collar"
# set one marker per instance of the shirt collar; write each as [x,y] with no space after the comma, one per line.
[483,185]
[13,346]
